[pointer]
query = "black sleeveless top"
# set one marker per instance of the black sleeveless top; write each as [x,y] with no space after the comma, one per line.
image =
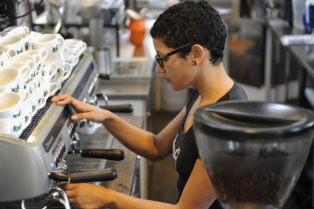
[184,147]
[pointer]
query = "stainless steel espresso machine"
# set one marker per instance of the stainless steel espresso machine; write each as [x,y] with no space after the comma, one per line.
[50,151]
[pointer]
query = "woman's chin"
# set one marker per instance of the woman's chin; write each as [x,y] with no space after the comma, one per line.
[176,88]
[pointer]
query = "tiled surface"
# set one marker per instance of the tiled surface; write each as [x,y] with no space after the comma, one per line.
[163,176]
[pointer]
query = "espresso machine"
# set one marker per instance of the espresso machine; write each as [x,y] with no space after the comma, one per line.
[253,152]
[50,150]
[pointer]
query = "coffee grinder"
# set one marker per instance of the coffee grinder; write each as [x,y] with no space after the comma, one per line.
[253,151]
[94,11]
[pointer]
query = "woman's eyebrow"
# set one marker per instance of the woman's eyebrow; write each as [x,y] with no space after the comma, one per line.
[159,53]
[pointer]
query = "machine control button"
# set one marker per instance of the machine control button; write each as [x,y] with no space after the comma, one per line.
[91,88]
[61,152]
[56,161]
[83,122]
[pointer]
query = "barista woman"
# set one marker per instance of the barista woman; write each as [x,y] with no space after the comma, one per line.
[189,40]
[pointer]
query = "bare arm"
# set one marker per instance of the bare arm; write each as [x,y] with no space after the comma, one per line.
[197,194]
[144,143]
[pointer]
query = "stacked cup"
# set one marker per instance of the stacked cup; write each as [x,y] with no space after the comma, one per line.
[36,76]
[14,30]
[54,44]
[76,48]
[14,44]
[14,98]
[32,68]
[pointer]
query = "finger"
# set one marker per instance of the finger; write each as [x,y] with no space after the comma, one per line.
[59,97]
[81,116]
[66,186]
[65,101]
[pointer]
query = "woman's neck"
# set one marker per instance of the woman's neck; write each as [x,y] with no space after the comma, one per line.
[212,83]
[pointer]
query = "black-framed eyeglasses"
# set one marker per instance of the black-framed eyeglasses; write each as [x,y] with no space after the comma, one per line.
[159,59]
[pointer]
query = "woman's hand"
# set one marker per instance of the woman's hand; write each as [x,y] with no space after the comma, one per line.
[84,111]
[86,196]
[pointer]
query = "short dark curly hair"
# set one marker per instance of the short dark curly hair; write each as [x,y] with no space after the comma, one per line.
[191,22]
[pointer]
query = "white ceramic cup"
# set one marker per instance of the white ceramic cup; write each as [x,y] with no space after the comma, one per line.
[14,42]
[26,38]
[74,49]
[72,60]
[40,56]
[15,126]
[54,43]
[35,89]
[42,93]
[12,80]
[27,60]
[12,105]
[3,57]
[58,77]
[33,34]
[67,68]
[88,129]
[81,43]
[25,69]
[31,109]
[16,29]
[11,45]
[49,88]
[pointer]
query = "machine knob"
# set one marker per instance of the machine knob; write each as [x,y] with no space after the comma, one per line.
[62,167]
[76,137]
[75,142]
[73,146]
[93,100]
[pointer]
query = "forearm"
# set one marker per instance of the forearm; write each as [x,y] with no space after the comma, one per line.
[138,140]
[122,201]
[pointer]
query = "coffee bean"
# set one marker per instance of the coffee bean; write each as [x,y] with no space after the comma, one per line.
[255,186]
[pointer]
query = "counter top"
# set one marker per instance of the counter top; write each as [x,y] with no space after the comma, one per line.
[303,53]
[124,90]
[125,168]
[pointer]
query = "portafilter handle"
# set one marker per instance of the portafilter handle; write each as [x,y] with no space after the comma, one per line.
[127,108]
[107,154]
[104,76]
[108,174]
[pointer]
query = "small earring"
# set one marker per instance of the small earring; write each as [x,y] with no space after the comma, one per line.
[194,62]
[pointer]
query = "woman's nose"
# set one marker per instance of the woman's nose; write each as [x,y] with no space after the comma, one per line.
[159,69]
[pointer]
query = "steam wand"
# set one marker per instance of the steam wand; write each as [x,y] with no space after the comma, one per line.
[63,201]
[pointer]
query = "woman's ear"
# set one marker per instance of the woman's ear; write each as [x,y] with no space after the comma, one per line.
[197,52]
